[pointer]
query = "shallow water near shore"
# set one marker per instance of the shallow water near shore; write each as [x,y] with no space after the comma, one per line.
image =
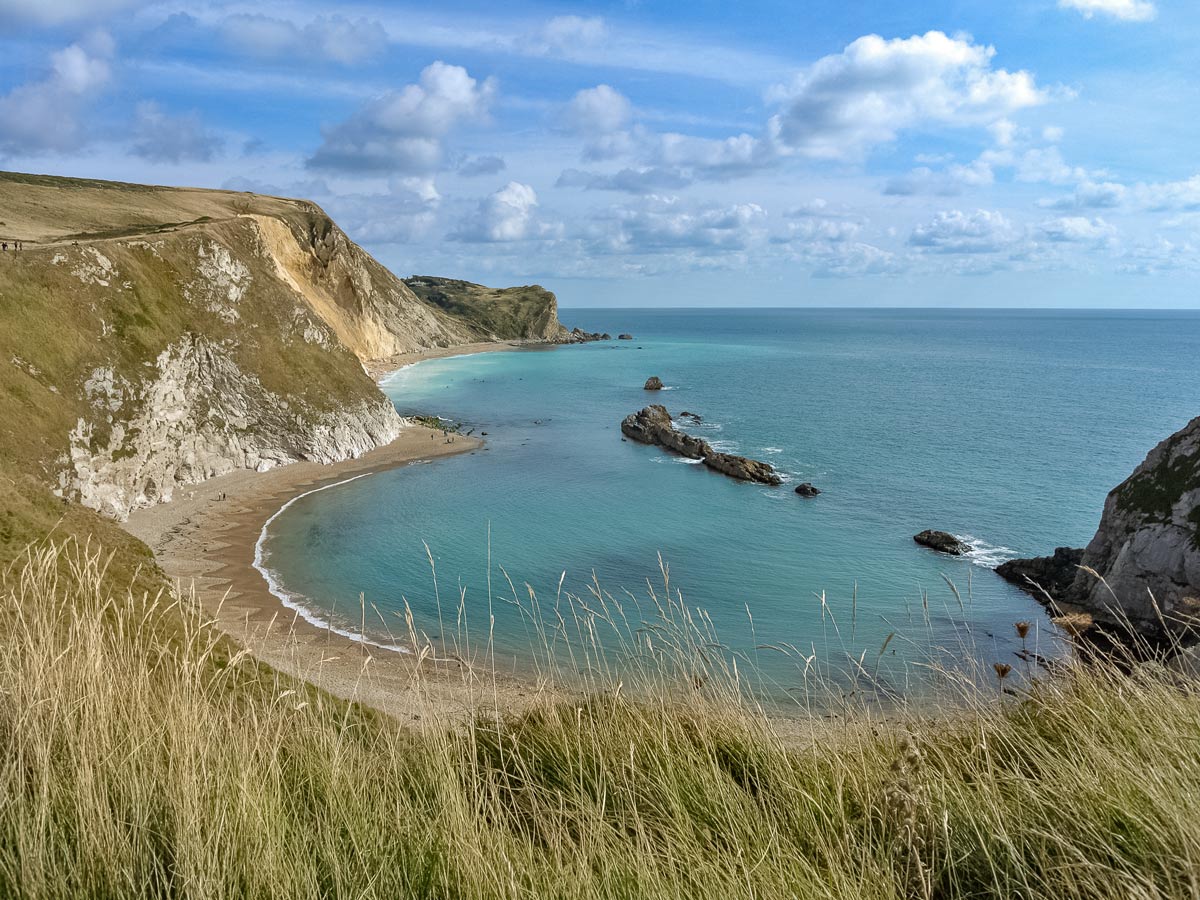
[1006,428]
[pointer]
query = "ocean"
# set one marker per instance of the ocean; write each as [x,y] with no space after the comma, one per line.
[1007,428]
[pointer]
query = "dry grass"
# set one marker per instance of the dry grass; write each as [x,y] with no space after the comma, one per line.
[141,756]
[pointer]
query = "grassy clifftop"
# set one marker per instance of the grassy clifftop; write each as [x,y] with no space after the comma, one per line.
[529,311]
[155,336]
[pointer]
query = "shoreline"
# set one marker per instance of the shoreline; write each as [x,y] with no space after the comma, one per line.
[214,545]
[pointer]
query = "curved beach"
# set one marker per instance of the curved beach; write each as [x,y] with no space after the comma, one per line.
[207,539]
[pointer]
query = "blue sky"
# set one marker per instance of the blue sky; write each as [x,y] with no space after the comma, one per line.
[936,153]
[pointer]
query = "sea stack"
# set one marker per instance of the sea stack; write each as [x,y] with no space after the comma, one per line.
[653,383]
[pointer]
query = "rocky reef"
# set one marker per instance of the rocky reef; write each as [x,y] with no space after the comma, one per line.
[807,490]
[653,425]
[1141,570]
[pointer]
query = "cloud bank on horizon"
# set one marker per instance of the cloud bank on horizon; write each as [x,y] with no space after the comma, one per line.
[1038,153]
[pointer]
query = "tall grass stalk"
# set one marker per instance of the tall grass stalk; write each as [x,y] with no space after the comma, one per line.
[142,755]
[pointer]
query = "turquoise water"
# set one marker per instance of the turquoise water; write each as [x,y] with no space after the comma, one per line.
[1005,427]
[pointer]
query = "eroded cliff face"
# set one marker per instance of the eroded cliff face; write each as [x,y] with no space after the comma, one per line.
[196,416]
[1147,547]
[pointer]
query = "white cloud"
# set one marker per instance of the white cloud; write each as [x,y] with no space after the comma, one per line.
[506,215]
[1170,195]
[846,103]
[1077,229]
[44,114]
[955,231]
[403,131]
[601,115]
[334,38]
[598,110]
[160,137]
[1090,195]
[1125,10]
[1046,165]
[568,33]
[666,224]
[941,182]
[851,260]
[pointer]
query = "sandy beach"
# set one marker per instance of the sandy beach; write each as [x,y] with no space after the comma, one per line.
[204,540]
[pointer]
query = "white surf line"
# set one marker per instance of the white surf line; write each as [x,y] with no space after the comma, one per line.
[287,599]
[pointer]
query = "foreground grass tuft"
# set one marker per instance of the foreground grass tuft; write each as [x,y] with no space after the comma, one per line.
[141,755]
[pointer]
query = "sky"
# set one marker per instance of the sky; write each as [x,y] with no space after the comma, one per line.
[976,153]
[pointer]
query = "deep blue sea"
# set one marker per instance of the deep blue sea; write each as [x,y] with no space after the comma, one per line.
[1005,427]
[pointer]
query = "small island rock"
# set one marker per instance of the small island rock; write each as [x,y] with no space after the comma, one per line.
[941,541]
[653,383]
[624,337]
[807,490]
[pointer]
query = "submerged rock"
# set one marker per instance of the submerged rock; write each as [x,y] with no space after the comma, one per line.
[807,490]
[653,425]
[942,541]
[695,417]
[653,383]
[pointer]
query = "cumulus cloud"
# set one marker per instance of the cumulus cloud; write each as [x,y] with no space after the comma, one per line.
[946,182]
[1177,196]
[1125,10]
[44,114]
[1077,229]
[601,115]
[403,131]
[851,260]
[1089,195]
[1160,255]
[664,224]
[506,215]
[160,137]
[846,103]
[955,231]
[1046,165]
[335,38]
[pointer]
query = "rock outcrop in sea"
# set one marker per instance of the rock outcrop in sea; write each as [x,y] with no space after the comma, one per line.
[1146,551]
[624,337]
[653,425]
[653,383]
[941,541]
[807,490]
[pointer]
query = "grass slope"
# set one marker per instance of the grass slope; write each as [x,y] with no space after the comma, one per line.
[138,765]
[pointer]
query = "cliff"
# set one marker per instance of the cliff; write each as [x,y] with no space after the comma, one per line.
[155,337]
[1146,549]
[530,311]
